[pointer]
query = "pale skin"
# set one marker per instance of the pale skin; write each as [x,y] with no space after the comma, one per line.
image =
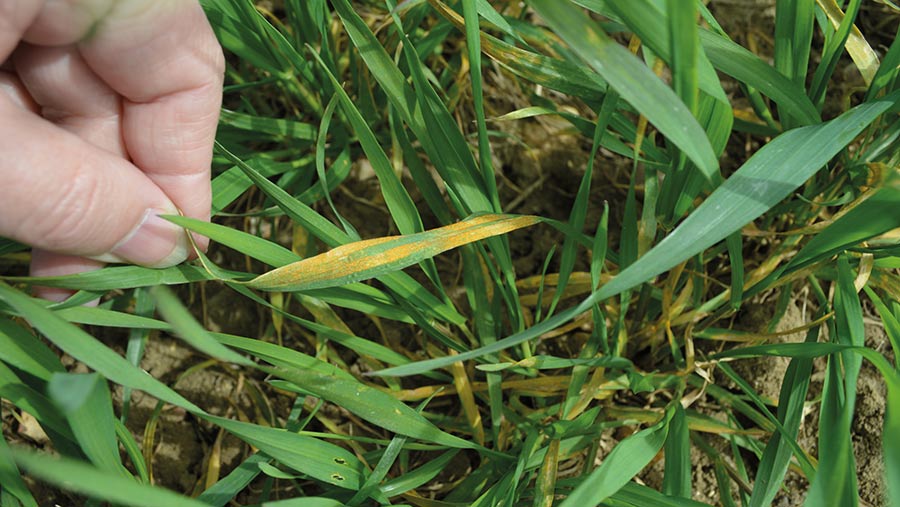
[108,111]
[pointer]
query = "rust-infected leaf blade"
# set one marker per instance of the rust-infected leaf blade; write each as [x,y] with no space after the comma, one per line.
[370,258]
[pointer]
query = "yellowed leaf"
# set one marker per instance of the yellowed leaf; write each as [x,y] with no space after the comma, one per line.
[370,258]
[860,51]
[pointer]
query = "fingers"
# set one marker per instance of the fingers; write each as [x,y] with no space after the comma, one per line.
[71,95]
[12,87]
[61,23]
[44,263]
[78,198]
[163,58]
[67,93]
[15,18]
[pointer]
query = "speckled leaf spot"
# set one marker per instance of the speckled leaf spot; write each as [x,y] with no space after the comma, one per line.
[370,258]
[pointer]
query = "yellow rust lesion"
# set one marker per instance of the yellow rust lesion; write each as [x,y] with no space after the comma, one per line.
[363,258]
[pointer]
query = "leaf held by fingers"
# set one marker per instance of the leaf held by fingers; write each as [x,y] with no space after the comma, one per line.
[370,258]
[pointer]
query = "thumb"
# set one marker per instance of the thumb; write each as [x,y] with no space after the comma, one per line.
[62,194]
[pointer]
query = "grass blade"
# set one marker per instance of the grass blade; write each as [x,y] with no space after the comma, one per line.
[865,58]
[632,80]
[316,223]
[777,456]
[746,67]
[874,216]
[836,477]
[190,330]
[371,258]
[321,460]
[86,404]
[419,476]
[11,482]
[227,488]
[685,52]
[360,345]
[425,114]
[736,261]
[19,347]
[580,207]
[87,349]
[402,284]
[625,461]
[274,126]
[321,143]
[387,460]
[471,8]
[110,318]
[677,478]
[556,74]
[651,22]
[453,159]
[793,41]
[638,495]
[769,176]
[372,405]
[95,483]
[282,356]
[835,47]
[134,351]
[397,199]
[308,501]
[122,277]
[793,37]
[887,71]
[258,248]
[13,389]
[888,320]
[133,451]
[891,443]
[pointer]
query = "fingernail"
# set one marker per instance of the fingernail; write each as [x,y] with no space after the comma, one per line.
[155,243]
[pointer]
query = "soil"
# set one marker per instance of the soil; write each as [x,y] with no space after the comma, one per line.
[868,421]
[765,375]
[182,444]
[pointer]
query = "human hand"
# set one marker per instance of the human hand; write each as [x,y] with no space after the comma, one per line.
[107,120]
